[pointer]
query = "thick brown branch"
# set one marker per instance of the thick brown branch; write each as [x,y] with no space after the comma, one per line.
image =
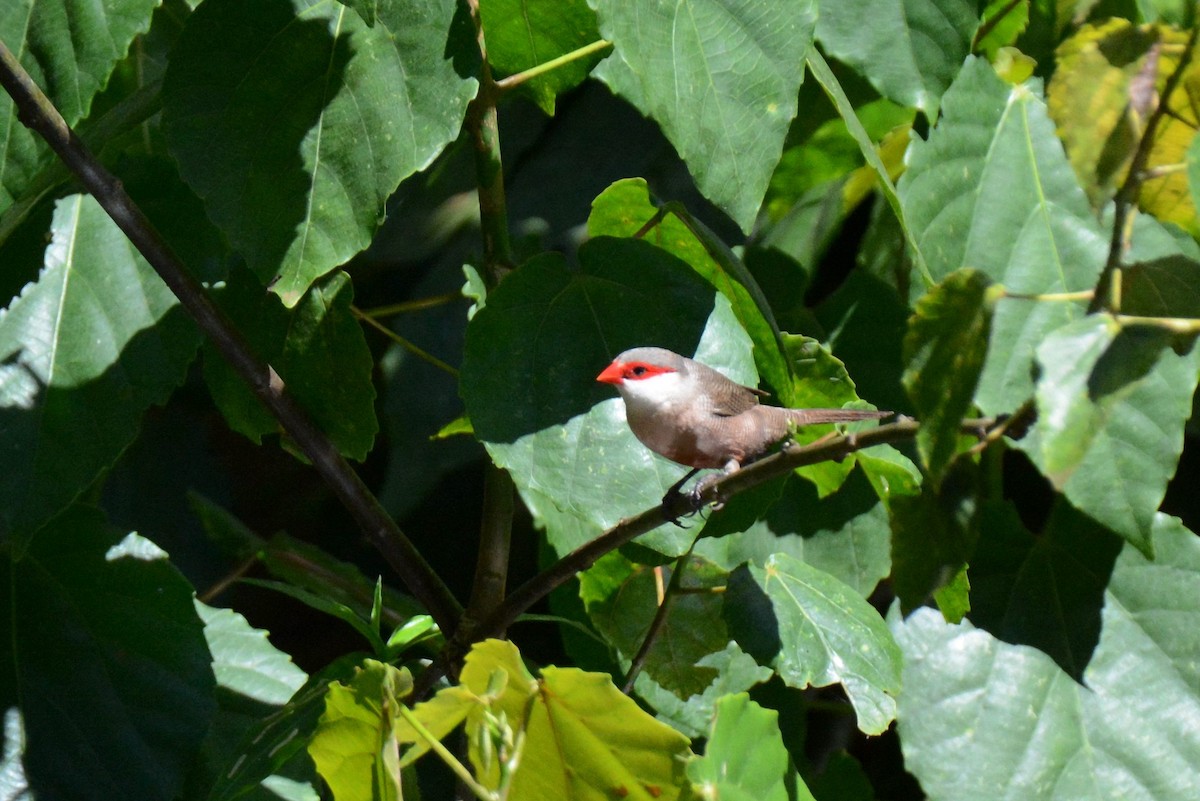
[39,114]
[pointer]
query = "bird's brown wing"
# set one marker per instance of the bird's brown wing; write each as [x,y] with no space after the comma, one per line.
[732,399]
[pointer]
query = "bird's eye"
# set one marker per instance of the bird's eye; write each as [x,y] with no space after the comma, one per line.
[639,370]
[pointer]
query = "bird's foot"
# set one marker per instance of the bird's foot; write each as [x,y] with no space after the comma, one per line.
[676,505]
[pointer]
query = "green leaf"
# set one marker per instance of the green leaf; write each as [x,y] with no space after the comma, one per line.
[1193,170]
[982,719]
[625,208]
[1164,287]
[888,42]
[355,747]
[992,190]
[745,759]
[1112,404]
[1045,591]
[563,436]
[719,79]
[527,33]
[736,671]
[866,322]
[587,740]
[318,349]
[1004,29]
[103,662]
[845,534]
[332,608]
[833,88]
[367,9]
[70,63]
[1089,99]
[692,629]
[245,662]
[261,753]
[933,535]
[295,121]
[944,350]
[254,680]
[84,351]
[816,631]
[584,739]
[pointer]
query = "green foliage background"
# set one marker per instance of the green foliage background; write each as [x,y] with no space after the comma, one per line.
[957,210]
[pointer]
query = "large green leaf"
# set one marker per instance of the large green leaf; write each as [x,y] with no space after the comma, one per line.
[84,352]
[295,121]
[1112,404]
[104,663]
[692,630]
[910,50]
[254,680]
[933,534]
[355,746]
[583,738]
[276,738]
[992,190]
[69,49]
[982,719]
[320,352]
[586,740]
[943,352]
[814,630]
[736,671]
[845,534]
[625,208]
[536,405]
[745,759]
[1045,591]
[720,78]
[522,34]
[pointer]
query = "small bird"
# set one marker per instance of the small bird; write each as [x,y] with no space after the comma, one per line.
[694,415]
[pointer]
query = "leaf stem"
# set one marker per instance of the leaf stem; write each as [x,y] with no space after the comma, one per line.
[435,745]
[37,112]
[513,81]
[420,304]
[1083,294]
[408,345]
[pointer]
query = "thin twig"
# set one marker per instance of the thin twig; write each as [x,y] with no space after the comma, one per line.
[1108,287]
[408,345]
[407,306]
[660,619]
[37,112]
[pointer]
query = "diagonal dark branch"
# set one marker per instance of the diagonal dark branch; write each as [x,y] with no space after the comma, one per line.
[1107,294]
[583,557]
[37,112]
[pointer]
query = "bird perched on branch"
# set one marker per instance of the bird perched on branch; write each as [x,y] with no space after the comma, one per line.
[693,415]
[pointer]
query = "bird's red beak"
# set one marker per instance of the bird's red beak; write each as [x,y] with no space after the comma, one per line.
[613,374]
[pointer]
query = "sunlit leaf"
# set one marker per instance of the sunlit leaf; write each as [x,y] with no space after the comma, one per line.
[720,80]
[991,190]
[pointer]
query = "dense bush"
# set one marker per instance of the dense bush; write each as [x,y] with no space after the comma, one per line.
[410,233]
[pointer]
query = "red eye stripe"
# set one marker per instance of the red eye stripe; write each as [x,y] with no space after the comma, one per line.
[637,371]
[619,372]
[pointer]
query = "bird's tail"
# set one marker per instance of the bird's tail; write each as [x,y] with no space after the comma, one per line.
[808,417]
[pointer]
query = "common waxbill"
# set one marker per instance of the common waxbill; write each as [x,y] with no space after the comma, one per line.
[693,415]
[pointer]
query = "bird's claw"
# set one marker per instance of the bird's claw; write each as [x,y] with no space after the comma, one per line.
[676,504]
